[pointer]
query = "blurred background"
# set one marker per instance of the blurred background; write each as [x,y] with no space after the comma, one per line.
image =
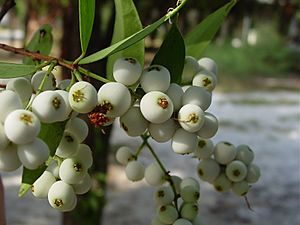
[257,103]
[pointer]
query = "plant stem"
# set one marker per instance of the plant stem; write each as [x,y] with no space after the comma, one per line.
[92,75]
[77,75]
[79,58]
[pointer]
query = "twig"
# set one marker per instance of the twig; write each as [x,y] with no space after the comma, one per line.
[7,5]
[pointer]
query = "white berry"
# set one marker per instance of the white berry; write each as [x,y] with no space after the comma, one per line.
[68,145]
[9,159]
[253,173]
[175,93]
[182,221]
[244,154]
[224,152]
[210,126]
[154,175]
[184,142]
[191,67]
[10,102]
[4,141]
[124,155]
[135,171]
[83,186]
[78,127]
[189,211]
[22,87]
[205,148]
[240,188]
[209,65]
[72,171]
[208,170]
[197,96]
[167,214]
[164,195]
[162,132]
[84,154]
[37,79]
[205,79]
[236,171]
[41,186]
[191,117]
[222,183]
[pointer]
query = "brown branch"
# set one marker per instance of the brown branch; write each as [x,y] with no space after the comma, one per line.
[37,56]
[7,5]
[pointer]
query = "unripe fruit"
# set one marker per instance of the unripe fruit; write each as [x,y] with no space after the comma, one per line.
[209,65]
[236,171]
[210,126]
[78,127]
[191,67]
[49,106]
[83,186]
[164,195]
[37,79]
[175,93]
[84,154]
[133,122]
[53,168]
[189,211]
[154,175]
[184,142]
[206,80]
[9,160]
[21,126]
[3,138]
[72,171]
[155,78]
[167,214]
[156,221]
[41,186]
[156,107]
[61,196]
[244,154]
[33,154]
[127,71]
[253,173]
[22,87]
[208,170]
[240,188]
[190,194]
[189,181]
[124,155]
[115,97]
[191,117]
[222,183]
[182,222]
[68,145]
[135,171]
[162,132]
[83,97]
[10,102]
[197,96]
[224,152]
[205,148]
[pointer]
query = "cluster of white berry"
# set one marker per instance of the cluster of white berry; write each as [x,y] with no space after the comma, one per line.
[67,171]
[226,166]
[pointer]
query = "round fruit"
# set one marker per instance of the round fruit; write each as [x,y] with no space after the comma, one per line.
[189,181]
[244,154]
[205,148]
[162,132]
[154,175]
[224,152]
[197,96]
[240,188]
[236,171]
[253,173]
[167,214]
[182,222]
[164,195]
[184,142]
[191,67]
[191,117]
[205,79]
[72,171]
[210,126]
[190,194]
[69,111]
[37,79]
[68,145]
[83,186]
[124,155]
[41,186]
[84,154]
[208,170]
[209,65]
[3,138]
[135,171]
[189,211]
[9,159]
[22,87]
[222,183]
[10,102]
[175,93]
[78,127]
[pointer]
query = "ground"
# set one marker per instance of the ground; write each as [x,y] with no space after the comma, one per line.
[267,121]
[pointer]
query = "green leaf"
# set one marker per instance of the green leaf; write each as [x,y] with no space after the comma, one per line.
[127,22]
[199,38]
[171,54]
[86,21]
[51,134]
[41,42]
[11,70]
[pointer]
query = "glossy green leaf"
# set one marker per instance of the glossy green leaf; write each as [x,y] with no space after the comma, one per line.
[11,70]
[127,22]
[199,38]
[41,42]
[51,134]
[86,21]
[171,54]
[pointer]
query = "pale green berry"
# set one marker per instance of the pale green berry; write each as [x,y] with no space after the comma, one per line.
[68,145]
[41,186]
[164,195]
[124,155]
[236,171]
[155,78]
[167,214]
[133,122]
[37,79]
[176,181]
[205,148]
[4,141]
[222,183]
[208,64]
[224,152]
[244,154]
[83,97]
[134,171]
[208,170]
[175,93]
[190,194]
[191,117]
[156,221]
[205,79]
[78,127]
[115,97]
[184,142]
[156,107]
[189,211]
[154,175]
[72,171]
[9,159]
[253,173]
[49,106]
[182,222]
[22,87]
[84,154]
[189,181]
[83,186]
[10,102]
[162,132]
[240,188]
[197,96]
[127,70]
[191,67]
[210,126]
[61,196]
[33,154]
